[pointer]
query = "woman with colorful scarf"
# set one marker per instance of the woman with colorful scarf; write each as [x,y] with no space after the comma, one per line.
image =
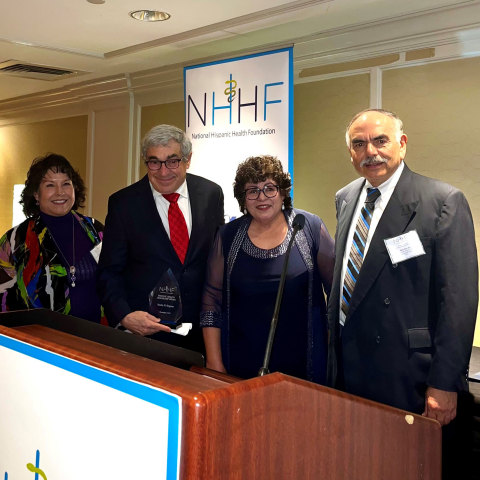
[50,259]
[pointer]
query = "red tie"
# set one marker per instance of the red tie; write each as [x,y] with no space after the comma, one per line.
[178,226]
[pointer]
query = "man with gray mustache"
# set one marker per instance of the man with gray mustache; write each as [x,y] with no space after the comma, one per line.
[404,298]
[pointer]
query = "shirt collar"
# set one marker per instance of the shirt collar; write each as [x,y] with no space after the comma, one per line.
[182,190]
[391,183]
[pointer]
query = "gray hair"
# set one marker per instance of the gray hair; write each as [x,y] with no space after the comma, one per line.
[161,135]
[394,116]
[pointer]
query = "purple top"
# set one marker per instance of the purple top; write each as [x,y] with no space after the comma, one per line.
[83,297]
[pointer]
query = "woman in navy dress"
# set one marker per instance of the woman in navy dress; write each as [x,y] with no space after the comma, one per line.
[243,275]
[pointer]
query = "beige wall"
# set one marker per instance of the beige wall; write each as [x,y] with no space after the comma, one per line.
[321,161]
[113,164]
[20,144]
[170,113]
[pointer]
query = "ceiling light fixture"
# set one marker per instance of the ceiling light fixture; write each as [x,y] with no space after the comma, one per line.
[150,15]
[96,2]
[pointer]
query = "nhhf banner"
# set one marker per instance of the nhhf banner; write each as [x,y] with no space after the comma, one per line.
[238,108]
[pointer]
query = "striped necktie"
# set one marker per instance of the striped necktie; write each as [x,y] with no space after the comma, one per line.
[357,250]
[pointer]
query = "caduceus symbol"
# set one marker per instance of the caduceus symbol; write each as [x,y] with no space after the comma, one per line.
[230,90]
[34,469]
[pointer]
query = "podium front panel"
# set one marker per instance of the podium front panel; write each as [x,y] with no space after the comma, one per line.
[269,427]
[67,419]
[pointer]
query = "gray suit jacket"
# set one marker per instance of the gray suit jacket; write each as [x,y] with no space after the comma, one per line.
[410,325]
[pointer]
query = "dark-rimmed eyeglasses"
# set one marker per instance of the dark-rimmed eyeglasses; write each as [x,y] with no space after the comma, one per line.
[156,164]
[268,190]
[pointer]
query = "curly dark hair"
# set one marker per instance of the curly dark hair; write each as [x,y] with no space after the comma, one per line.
[258,169]
[40,166]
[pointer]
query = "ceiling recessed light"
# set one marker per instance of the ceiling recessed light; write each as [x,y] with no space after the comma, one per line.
[150,15]
[96,2]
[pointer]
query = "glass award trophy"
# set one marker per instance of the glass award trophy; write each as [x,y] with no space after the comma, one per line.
[165,300]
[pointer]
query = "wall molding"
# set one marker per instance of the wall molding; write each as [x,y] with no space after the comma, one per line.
[453,31]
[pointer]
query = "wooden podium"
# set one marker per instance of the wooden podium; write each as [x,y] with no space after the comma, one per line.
[271,427]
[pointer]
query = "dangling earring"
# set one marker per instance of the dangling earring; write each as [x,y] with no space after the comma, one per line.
[245,211]
[36,203]
[283,206]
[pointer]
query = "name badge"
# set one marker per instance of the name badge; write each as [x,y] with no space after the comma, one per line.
[404,247]
[95,251]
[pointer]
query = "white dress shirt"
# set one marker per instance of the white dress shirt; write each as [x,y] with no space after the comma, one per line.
[386,190]
[183,202]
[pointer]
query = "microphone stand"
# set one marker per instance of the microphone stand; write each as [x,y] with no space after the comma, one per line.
[297,224]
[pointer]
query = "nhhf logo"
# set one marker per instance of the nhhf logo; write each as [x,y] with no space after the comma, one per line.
[206,106]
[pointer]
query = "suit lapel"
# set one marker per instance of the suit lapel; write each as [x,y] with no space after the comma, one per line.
[395,219]
[197,206]
[345,211]
[146,204]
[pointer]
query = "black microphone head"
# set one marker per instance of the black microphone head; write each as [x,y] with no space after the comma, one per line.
[298,222]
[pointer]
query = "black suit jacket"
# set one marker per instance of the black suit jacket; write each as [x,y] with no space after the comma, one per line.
[409,325]
[137,250]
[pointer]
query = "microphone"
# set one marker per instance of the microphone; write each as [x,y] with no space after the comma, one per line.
[297,225]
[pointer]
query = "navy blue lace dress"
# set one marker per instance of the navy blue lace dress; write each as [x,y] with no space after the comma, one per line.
[240,294]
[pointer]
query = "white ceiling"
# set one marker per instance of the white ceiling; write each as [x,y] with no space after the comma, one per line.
[103,41]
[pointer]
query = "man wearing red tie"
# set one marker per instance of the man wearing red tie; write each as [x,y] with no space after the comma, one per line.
[167,220]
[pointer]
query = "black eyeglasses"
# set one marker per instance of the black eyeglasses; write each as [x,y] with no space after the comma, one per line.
[268,190]
[155,164]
